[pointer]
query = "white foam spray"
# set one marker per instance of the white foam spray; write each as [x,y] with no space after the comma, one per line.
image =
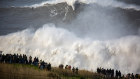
[36,3]
[58,45]
[105,3]
[61,46]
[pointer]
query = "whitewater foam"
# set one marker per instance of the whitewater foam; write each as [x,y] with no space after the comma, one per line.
[104,3]
[65,45]
[59,46]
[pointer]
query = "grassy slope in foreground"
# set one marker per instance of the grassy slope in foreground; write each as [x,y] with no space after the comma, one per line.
[21,71]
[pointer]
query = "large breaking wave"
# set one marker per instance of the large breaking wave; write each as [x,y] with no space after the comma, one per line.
[96,37]
[35,4]
[57,45]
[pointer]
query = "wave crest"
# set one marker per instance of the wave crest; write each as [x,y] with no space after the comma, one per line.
[59,46]
[72,3]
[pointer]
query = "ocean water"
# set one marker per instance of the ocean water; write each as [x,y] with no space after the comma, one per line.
[82,33]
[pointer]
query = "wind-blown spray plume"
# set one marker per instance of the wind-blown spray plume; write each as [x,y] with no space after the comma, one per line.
[41,3]
[57,45]
[96,37]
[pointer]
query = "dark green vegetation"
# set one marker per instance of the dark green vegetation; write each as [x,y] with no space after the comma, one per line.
[21,71]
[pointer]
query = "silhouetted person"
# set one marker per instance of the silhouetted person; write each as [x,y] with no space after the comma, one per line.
[41,64]
[119,74]
[112,73]
[49,67]
[98,70]
[25,58]
[66,67]
[116,73]
[20,58]
[76,70]
[45,64]
[30,60]
[17,58]
[128,75]
[136,76]
[34,61]
[0,56]
[73,70]
[69,67]
[132,76]
[61,66]
[37,60]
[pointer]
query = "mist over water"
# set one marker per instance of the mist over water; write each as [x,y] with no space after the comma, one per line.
[58,45]
[39,3]
[96,37]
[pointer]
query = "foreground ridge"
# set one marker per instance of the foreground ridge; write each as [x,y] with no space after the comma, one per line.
[20,67]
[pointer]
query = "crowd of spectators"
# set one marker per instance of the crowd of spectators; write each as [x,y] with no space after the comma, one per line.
[74,70]
[111,73]
[23,59]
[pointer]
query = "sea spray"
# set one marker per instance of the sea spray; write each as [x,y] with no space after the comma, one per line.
[97,37]
[60,46]
[41,3]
